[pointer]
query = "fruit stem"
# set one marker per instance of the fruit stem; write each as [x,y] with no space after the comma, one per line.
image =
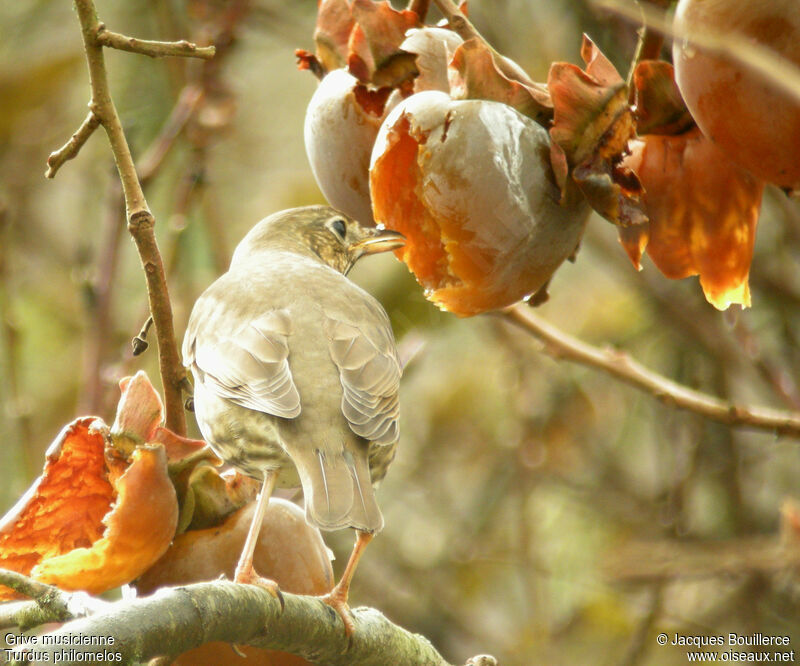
[463,27]
[648,46]
[420,7]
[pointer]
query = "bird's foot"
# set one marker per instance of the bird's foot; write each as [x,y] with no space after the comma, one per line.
[337,599]
[248,576]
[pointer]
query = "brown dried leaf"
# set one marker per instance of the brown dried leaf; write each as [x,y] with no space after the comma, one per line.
[139,413]
[592,126]
[183,450]
[474,74]
[634,240]
[307,60]
[374,54]
[703,211]
[334,24]
[659,106]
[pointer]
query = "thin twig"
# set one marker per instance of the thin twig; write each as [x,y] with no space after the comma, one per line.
[49,603]
[419,7]
[648,47]
[639,643]
[139,343]
[26,615]
[618,364]
[33,589]
[663,560]
[189,100]
[464,28]
[16,403]
[72,147]
[141,222]
[182,49]
[694,321]
[774,371]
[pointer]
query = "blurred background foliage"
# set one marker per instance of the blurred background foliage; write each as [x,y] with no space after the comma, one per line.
[526,492]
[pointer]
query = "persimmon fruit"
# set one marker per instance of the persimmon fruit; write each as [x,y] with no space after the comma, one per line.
[753,120]
[289,551]
[469,183]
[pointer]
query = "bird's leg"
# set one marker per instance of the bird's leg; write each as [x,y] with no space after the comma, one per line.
[337,597]
[245,573]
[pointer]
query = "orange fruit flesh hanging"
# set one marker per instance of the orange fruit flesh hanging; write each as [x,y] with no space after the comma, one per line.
[399,208]
[441,252]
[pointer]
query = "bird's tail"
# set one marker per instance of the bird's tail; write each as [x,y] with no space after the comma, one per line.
[337,488]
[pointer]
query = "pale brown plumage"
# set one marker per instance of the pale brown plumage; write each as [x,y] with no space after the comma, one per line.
[295,368]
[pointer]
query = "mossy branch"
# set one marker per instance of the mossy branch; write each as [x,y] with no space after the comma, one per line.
[175,620]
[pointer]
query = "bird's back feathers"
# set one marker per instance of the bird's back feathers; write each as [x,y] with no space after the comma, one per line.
[320,366]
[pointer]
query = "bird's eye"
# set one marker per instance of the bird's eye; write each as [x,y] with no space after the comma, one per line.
[339,227]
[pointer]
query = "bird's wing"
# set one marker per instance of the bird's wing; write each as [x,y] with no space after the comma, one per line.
[250,368]
[370,374]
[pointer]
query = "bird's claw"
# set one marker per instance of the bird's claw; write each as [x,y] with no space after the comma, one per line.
[250,577]
[338,601]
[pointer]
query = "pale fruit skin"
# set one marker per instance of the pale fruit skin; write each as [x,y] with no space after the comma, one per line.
[289,551]
[341,123]
[754,122]
[433,47]
[470,184]
[339,135]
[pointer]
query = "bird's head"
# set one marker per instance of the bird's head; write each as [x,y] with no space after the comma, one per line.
[319,231]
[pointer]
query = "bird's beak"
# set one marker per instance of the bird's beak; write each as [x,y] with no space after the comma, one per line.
[376,240]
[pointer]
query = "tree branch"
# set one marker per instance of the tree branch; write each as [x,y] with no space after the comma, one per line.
[618,364]
[459,23]
[178,619]
[16,403]
[140,220]
[660,560]
[151,48]
[189,100]
[72,147]
[49,603]
[31,588]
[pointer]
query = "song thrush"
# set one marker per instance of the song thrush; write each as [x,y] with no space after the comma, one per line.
[296,373]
